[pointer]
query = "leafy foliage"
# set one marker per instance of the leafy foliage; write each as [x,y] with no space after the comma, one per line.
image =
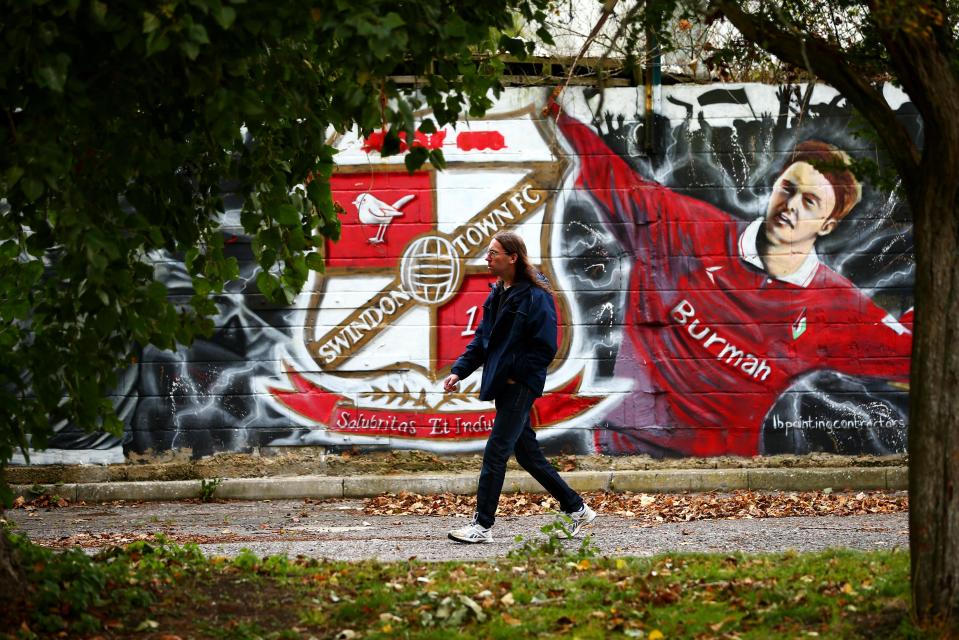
[697,41]
[125,126]
[166,589]
[208,488]
[555,544]
[73,593]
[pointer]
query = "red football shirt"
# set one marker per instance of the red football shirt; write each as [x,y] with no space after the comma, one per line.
[713,339]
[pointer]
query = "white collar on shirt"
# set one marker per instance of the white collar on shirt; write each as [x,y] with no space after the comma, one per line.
[749,252]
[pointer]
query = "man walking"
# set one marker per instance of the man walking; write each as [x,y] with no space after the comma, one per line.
[515,342]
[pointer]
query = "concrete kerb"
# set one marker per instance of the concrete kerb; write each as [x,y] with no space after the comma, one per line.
[641,481]
[897,478]
[670,481]
[367,486]
[288,488]
[814,479]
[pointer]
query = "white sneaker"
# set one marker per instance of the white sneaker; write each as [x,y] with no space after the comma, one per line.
[581,518]
[472,533]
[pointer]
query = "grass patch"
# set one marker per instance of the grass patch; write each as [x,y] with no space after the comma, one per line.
[553,588]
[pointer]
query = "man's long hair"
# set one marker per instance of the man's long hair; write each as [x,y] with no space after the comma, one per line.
[512,243]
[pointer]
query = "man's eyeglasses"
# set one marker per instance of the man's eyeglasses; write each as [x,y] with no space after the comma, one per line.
[492,253]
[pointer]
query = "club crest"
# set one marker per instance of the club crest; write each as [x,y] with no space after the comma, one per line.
[403,290]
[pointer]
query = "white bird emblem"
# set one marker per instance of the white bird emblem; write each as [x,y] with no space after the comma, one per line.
[372,210]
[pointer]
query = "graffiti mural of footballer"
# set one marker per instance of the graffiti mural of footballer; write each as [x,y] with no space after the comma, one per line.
[723,314]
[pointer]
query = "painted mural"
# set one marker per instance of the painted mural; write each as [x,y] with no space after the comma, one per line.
[724,286]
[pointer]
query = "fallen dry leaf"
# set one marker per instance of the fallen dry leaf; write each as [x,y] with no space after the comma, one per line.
[510,620]
[42,501]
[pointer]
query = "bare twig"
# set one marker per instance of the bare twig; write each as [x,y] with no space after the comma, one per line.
[608,7]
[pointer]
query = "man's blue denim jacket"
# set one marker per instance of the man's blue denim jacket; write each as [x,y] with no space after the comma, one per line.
[519,344]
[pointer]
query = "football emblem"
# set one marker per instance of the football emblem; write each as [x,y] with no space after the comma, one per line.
[430,270]
[386,320]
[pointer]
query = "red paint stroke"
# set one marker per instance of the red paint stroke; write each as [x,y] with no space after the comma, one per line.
[338,414]
[480,140]
[426,140]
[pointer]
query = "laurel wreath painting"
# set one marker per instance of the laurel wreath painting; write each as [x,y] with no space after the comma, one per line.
[403,397]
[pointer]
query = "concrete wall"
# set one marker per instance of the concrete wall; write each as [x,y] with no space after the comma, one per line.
[675,336]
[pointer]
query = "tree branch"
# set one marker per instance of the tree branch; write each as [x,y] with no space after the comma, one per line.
[828,64]
[916,42]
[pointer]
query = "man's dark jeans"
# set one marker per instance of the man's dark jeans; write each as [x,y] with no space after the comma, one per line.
[512,433]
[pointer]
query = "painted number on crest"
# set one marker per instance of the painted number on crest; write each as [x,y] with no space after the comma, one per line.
[469,330]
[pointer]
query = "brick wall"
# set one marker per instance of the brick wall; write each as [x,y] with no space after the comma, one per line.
[695,318]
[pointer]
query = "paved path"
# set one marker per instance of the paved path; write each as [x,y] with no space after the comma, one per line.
[340,530]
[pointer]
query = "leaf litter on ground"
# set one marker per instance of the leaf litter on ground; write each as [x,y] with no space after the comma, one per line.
[657,508]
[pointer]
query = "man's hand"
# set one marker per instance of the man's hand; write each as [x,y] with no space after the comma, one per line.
[451,382]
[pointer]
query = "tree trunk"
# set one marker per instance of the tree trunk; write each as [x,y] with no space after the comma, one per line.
[11,574]
[934,392]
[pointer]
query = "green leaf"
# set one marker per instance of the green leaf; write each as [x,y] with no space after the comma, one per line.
[9,249]
[315,262]
[455,27]
[19,310]
[191,49]
[287,215]
[157,42]
[197,33]
[296,240]
[415,158]
[32,189]
[14,174]
[392,21]
[37,245]
[437,159]
[250,220]
[112,425]
[300,270]
[54,76]
[32,272]
[150,22]
[391,144]
[319,193]
[225,16]
[269,238]
[156,291]
[512,46]
[267,258]
[267,284]
[231,269]
[99,10]
[190,257]
[202,286]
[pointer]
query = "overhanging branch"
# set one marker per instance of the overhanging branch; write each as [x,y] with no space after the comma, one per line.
[918,40]
[828,63]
